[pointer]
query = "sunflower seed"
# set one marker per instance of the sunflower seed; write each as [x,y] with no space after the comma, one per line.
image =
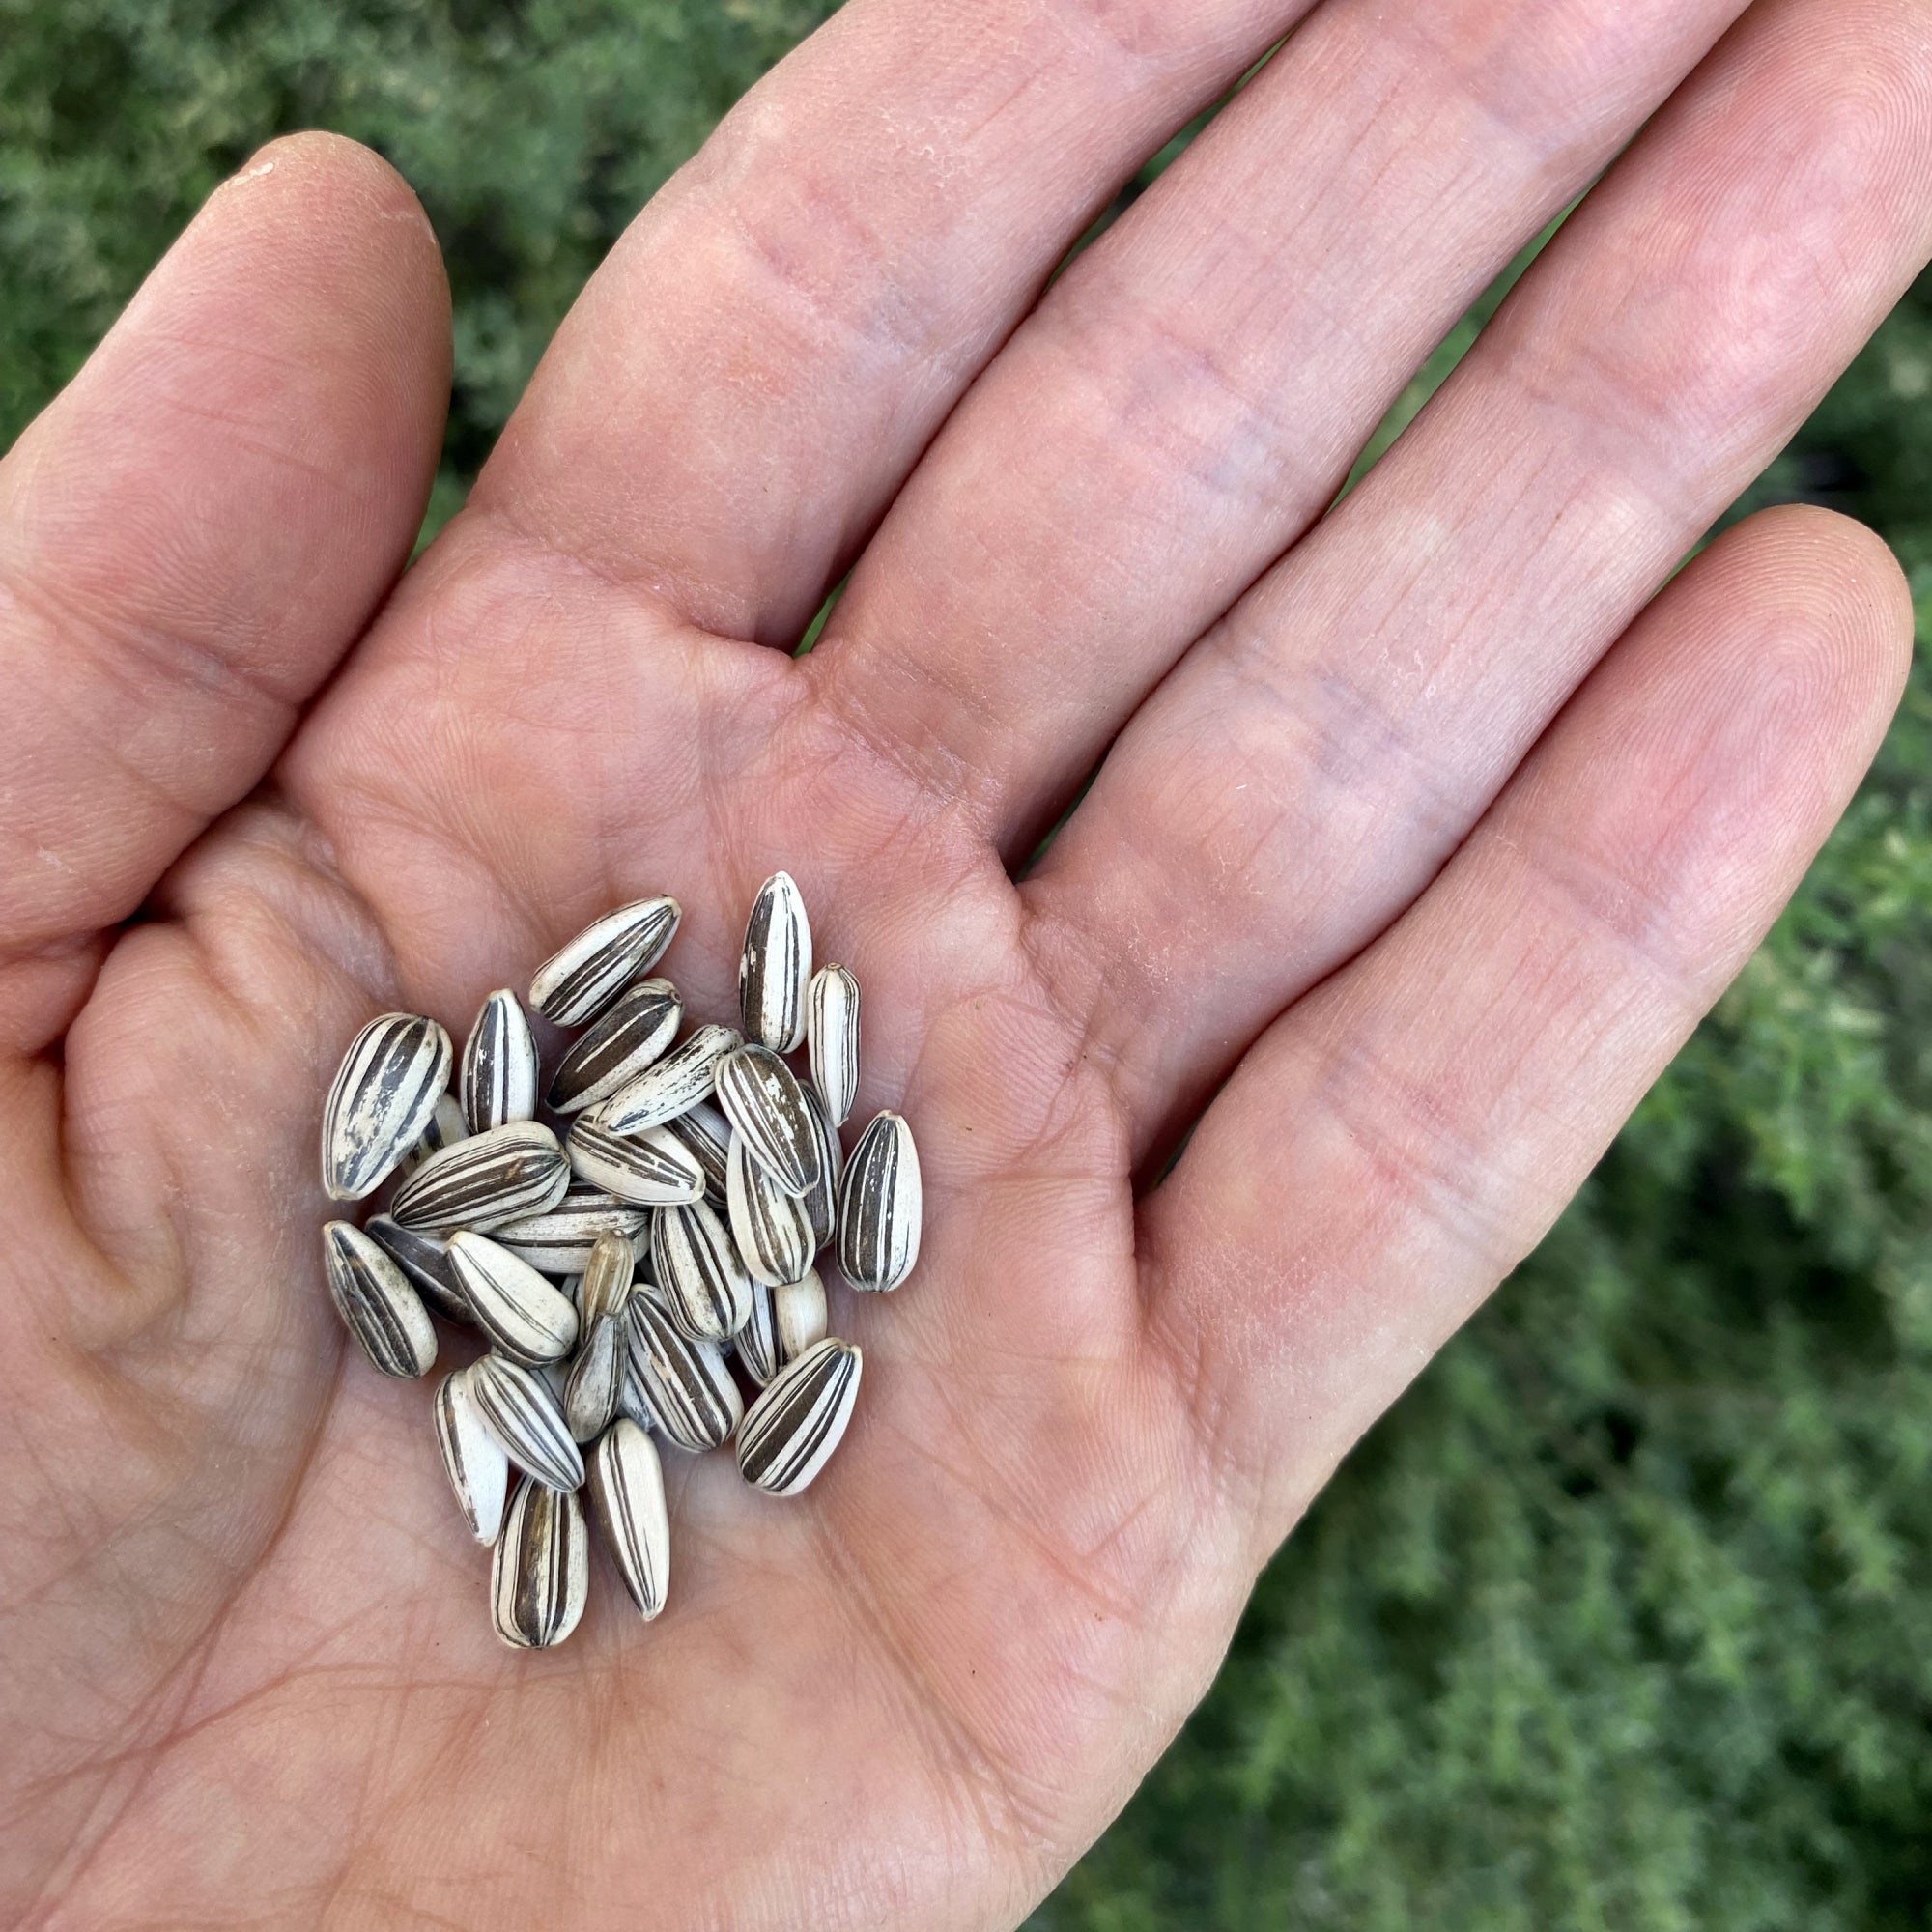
[832,1033]
[446,1126]
[775,965]
[632,1401]
[880,1207]
[554,1376]
[763,1101]
[504,1174]
[794,1425]
[773,1231]
[783,1323]
[687,1383]
[578,982]
[500,1064]
[701,1278]
[627,1496]
[540,1573]
[596,1379]
[517,1409]
[383,1096]
[627,1039]
[678,1082]
[707,1133]
[513,1304]
[375,1299]
[559,1240]
[424,1260]
[479,1471]
[609,1276]
[652,1167]
[821,1202]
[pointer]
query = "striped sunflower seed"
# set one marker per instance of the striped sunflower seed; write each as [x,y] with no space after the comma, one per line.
[504,1174]
[688,1384]
[609,1276]
[479,1471]
[627,1039]
[518,1410]
[832,1034]
[540,1572]
[700,1279]
[559,1240]
[446,1126]
[632,1401]
[794,1425]
[513,1304]
[652,1167]
[375,1301]
[577,982]
[627,1496]
[500,1064]
[774,966]
[707,1133]
[762,1099]
[424,1260]
[783,1323]
[596,1379]
[686,1075]
[773,1231]
[384,1095]
[880,1207]
[821,1202]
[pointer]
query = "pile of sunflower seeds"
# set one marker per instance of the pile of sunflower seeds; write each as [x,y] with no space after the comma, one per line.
[610,1271]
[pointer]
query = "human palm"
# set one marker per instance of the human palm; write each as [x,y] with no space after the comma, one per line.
[1382,858]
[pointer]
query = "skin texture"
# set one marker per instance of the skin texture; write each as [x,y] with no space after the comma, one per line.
[1428,832]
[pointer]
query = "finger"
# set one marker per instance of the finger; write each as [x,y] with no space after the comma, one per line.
[193,532]
[1190,395]
[1306,770]
[1402,1138]
[740,389]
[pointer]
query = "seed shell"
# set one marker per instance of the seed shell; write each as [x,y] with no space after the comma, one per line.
[518,1410]
[651,1167]
[384,1095]
[513,1304]
[632,1035]
[500,1064]
[773,1231]
[821,1201]
[794,1425]
[880,1207]
[688,1384]
[424,1260]
[832,1034]
[707,1133]
[375,1299]
[446,1126]
[609,1276]
[632,1401]
[505,1175]
[596,1379]
[478,1469]
[774,966]
[762,1099]
[540,1572]
[561,1240]
[686,1075]
[700,1279]
[625,1479]
[577,982]
[783,1323]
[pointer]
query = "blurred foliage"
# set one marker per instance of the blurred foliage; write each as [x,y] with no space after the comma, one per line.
[1623,1619]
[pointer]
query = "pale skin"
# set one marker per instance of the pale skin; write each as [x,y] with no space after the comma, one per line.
[1425,835]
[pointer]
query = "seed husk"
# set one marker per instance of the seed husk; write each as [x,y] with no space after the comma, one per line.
[540,1572]
[632,1035]
[774,966]
[424,1260]
[478,1469]
[500,1064]
[384,1095]
[446,1126]
[785,1321]
[561,1240]
[832,1034]
[688,1384]
[625,1479]
[880,1207]
[632,1401]
[518,1410]
[788,1434]
[512,1303]
[375,1301]
[821,1201]
[651,1167]
[583,977]
[686,1075]
[609,1276]
[505,1175]
[596,1379]
[700,1279]
[762,1099]
[707,1133]
[773,1231]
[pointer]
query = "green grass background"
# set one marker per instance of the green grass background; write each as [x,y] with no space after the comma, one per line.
[1623,1618]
